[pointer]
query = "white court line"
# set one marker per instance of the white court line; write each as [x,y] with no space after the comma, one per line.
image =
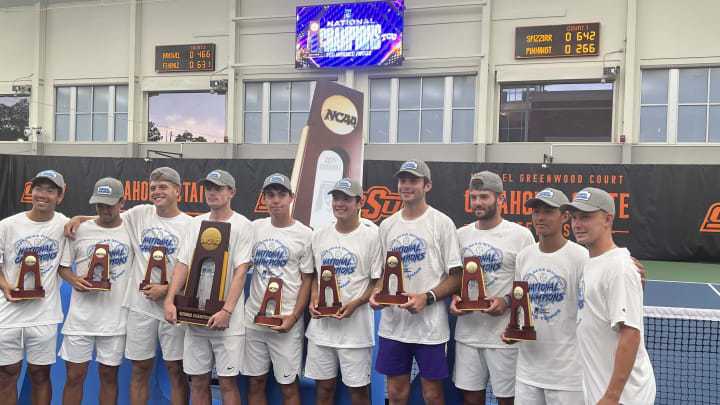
[679,282]
[712,287]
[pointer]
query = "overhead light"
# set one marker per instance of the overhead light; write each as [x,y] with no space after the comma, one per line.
[218,86]
[22,90]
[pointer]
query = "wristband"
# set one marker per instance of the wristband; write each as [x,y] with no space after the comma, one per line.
[507,301]
[229,312]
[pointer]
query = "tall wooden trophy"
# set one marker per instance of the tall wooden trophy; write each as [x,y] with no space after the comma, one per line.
[157,263]
[520,299]
[273,294]
[211,251]
[98,274]
[391,293]
[472,274]
[30,264]
[328,280]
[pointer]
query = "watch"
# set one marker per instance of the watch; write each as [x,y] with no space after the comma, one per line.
[430,298]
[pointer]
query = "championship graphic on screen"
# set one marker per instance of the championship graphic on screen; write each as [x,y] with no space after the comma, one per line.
[346,35]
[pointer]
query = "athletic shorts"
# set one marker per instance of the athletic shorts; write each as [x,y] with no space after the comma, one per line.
[355,364]
[283,350]
[474,366]
[143,334]
[526,394]
[79,349]
[395,358]
[38,342]
[226,352]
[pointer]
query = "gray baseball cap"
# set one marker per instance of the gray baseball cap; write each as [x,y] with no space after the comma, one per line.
[55,177]
[415,167]
[107,191]
[550,196]
[486,180]
[349,187]
[220,178]
[166,174]
[591,199]
[279,179]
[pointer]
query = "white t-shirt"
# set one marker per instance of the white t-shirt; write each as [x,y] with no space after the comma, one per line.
[17,235]
[148,229]
[610,294]
[98,313]
[552,361]
[496,248]
[239,245]
[357,258]
[429,250]
[282,253]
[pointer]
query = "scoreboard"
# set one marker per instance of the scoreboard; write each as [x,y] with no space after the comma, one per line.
[185,58]
[557,41]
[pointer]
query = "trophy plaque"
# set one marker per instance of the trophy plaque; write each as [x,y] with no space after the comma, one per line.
[328,306]
[210,257]
[393,281]
[98,274]
[157,262]
[30,265]
[520,299]
[472,276]
[273,294]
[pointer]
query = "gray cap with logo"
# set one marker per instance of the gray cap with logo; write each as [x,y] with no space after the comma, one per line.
[349,187]
[549,196]
[591,199]
[278,179]
[166,174]
[220,178]
[108,191]
[54,177]
[486,180]
[416,167]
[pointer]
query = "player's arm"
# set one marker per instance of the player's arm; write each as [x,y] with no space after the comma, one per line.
[221,319]
[624,360]
[72,225]
[177,281]
[300,302]
[314,296]
[79,283]
[448,287]
[7,287]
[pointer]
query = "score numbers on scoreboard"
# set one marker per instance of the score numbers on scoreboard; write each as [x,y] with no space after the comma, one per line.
[185,58]
[557,41]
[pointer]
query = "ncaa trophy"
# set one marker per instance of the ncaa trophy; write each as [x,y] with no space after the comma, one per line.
[273,294]
[472,274]
[30,265]
[520,299]
[328,280]
[158,263]
[391,293]
[98,274]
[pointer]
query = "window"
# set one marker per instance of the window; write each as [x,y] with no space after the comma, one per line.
[186,117]
[91,114]
[680,106]
[276,112]
[422,110]
[14,118]
[556,112]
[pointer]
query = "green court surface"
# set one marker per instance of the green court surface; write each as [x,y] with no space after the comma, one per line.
[682,271]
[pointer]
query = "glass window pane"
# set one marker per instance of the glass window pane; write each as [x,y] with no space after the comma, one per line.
[653,124]
[300,100]
[297,123]
[432,123]
[100,127]
[83,99]
[714,134]
[100,99]
[279,96]
[715,85]
[691,123]
[693,85]
[464,91]
[380,94]
[253,127]
[121,99]
[62,102]
[433,92]
[379,126]
[462,125]
[409,93]
[83,131]
[253,96]
[408,126]
[654,87]
[279,127]
[121,127]
[62,127]
[201,115]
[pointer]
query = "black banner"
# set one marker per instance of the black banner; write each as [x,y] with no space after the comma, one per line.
[663,212]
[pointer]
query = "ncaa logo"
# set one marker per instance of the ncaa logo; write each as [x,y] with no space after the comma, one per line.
[547,193]
[343,184]
[339,114]
[409,166]
[104,190]
[582,196]
[213,175]
[277,179]
[712,219]
[48,173]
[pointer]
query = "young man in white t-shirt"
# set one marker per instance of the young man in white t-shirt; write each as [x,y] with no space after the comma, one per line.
[480,354]
[282,249]
[29,326]
[96,320]
[159,224]
[346,338]
[616,366]
[222,341]
[432,271]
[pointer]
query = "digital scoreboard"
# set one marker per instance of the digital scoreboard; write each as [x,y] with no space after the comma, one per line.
[557,41]
[185,58]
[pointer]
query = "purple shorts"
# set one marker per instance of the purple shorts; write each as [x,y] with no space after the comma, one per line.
[395,358]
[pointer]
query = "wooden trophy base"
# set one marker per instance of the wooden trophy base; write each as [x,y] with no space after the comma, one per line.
[100,285]
[144,284]
[28,294]
[196,316]
[267,320]
[520,335]
[387,299]
[328,311]
[469,305]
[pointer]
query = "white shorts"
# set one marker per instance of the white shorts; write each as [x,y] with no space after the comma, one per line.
[474,366]
[283,350]
[526,394]
[355,364]
[143,333]
[38,342]
[79,349]
[201,352]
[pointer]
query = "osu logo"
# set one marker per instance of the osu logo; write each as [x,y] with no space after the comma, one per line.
[712,219]
[26,196]
[260,205]
[339,114]
[380,203]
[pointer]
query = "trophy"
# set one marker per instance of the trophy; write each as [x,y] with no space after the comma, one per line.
[393,281]
[30,265]
[158,263]
[98,274]
[273,294]
[472,277]
[520,298]
[328,306]
[209,258]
